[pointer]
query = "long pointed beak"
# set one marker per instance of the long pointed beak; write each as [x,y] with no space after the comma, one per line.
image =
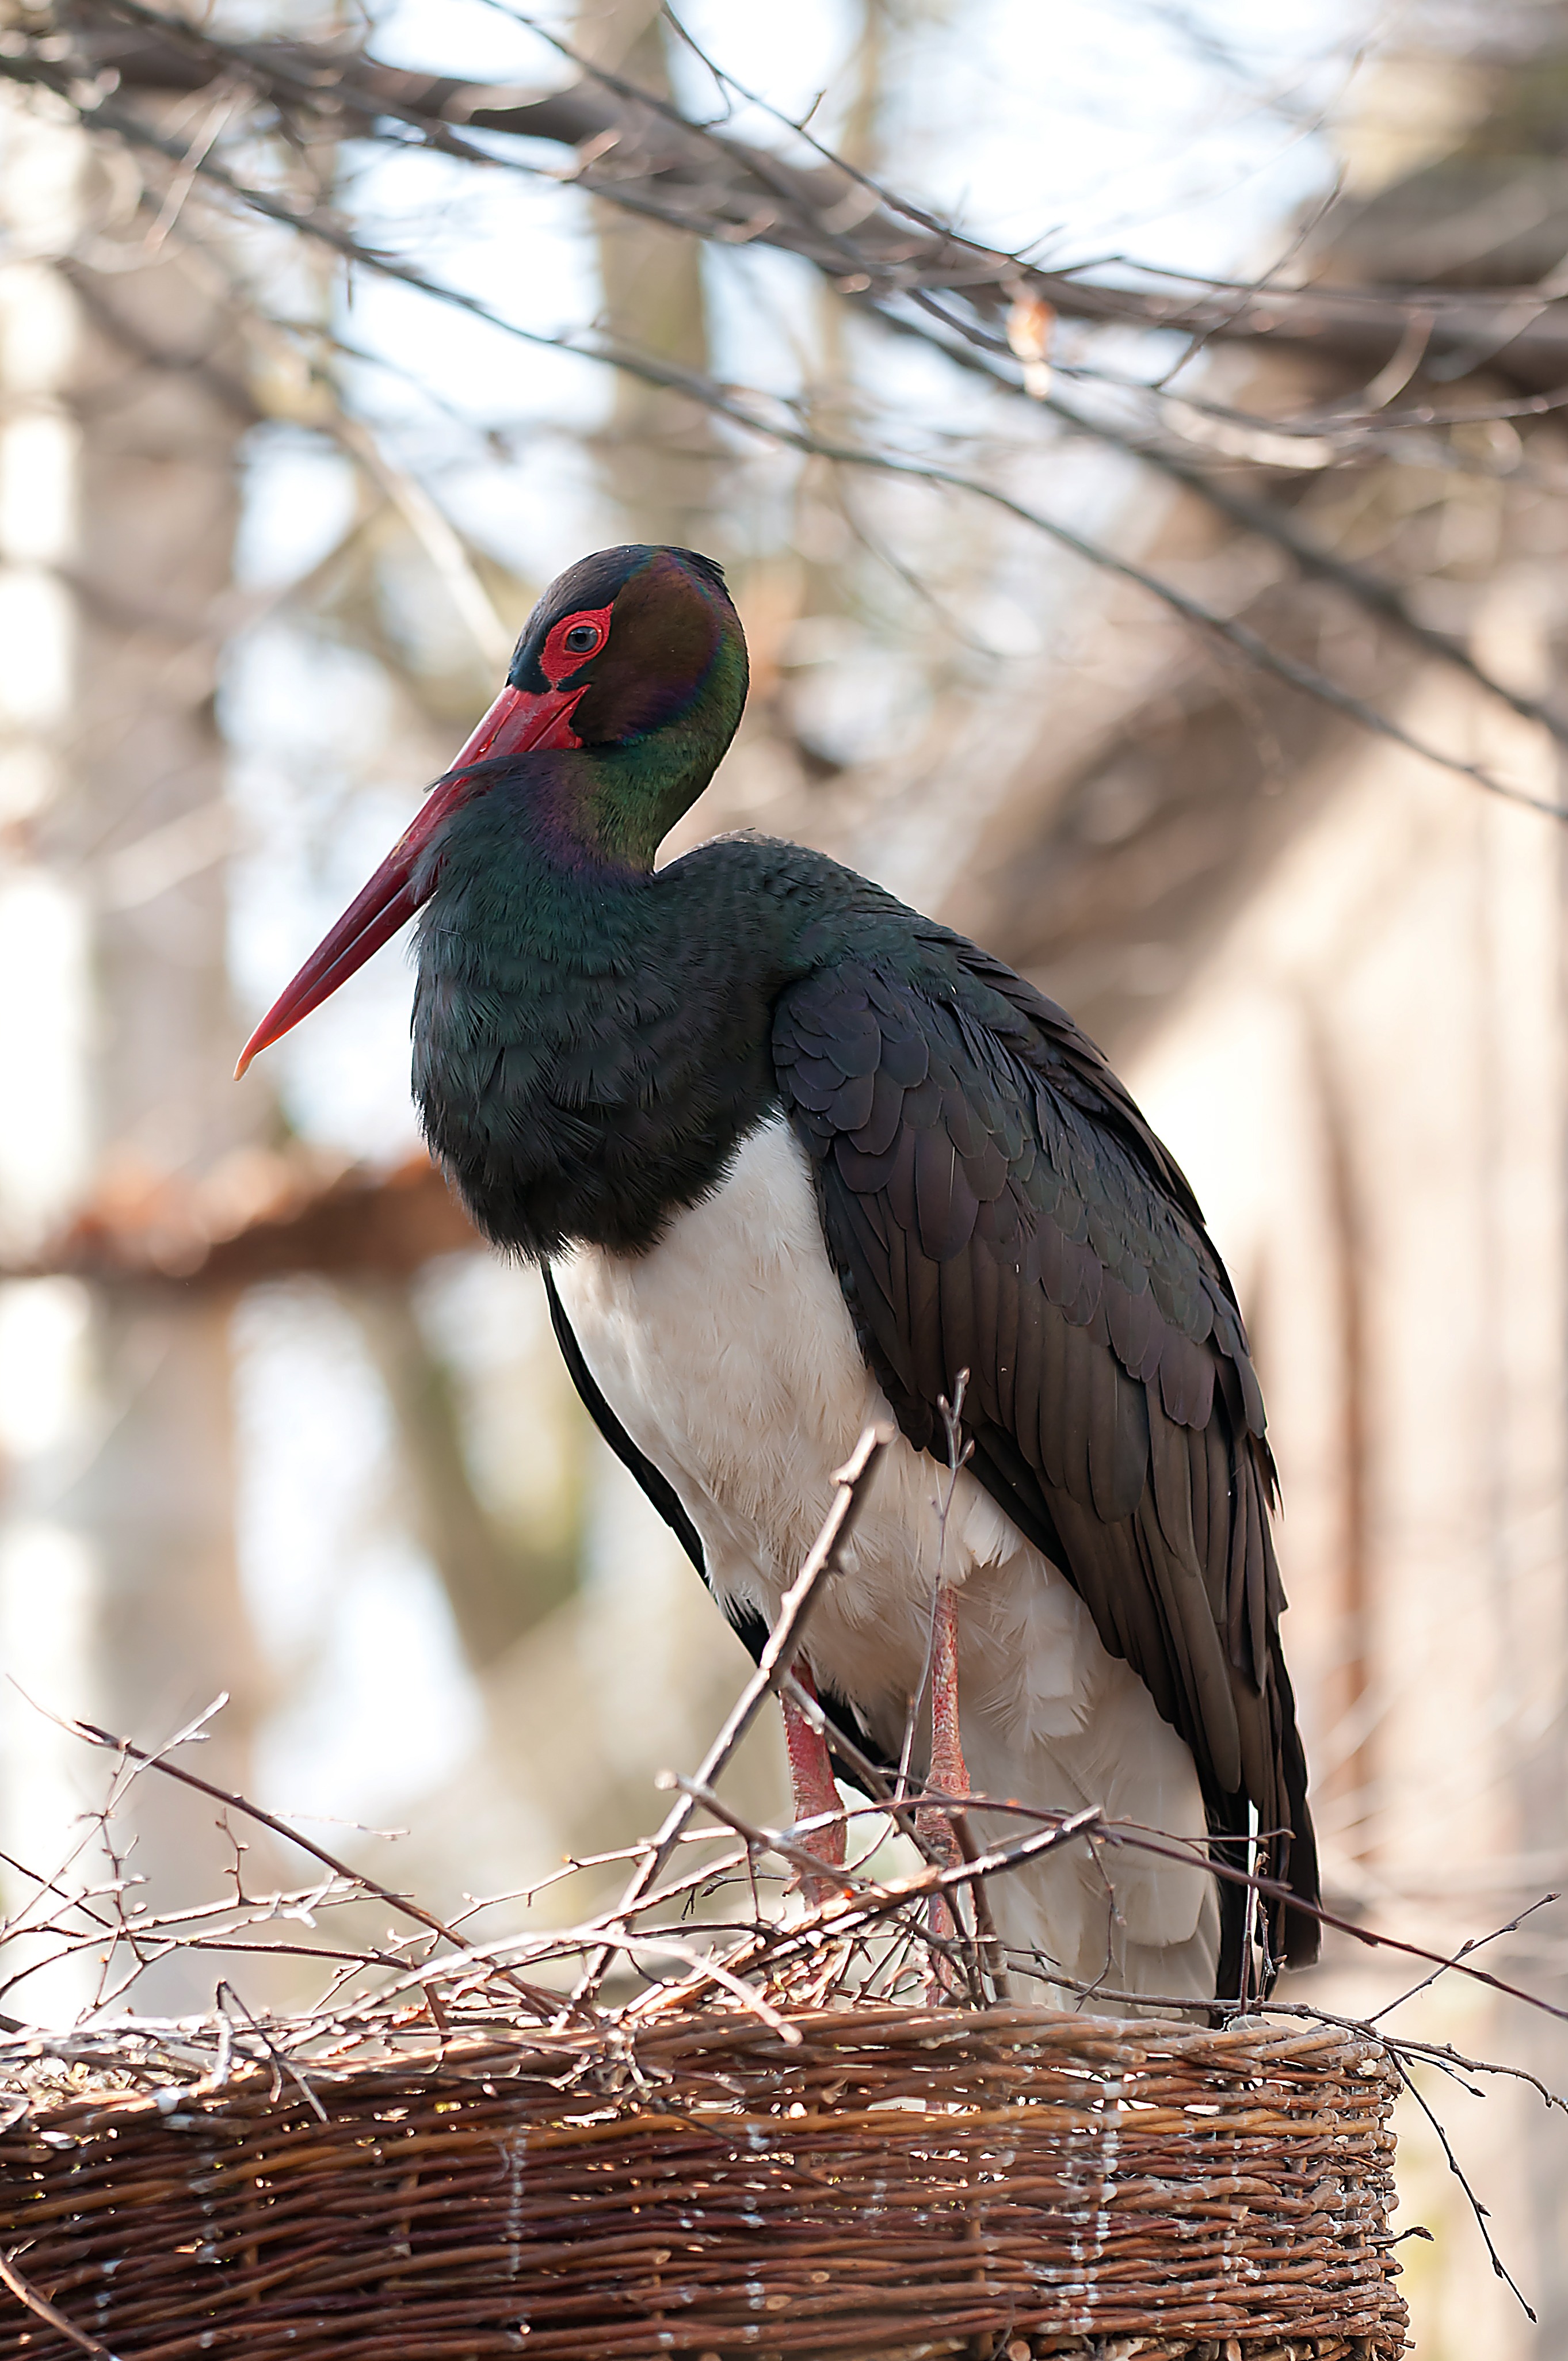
[518,721]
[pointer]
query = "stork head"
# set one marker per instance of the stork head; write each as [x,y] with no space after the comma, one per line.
[633,663]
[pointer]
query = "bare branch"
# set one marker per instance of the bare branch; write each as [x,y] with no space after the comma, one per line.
[756,415]
[41,2309]
[648,157]
[1499,2267]
[543,2002]
[851,1480]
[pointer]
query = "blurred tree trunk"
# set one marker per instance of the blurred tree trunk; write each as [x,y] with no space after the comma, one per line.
[500,1581]
[120,461]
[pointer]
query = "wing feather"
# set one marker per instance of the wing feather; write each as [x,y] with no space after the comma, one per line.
[1196,1448]
[961,1351]
[1170,1471]
[993,1201]
[1068,1415]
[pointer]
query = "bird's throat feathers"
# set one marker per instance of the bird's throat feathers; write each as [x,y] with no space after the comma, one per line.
[523,869]
[586,1050]
[608,809]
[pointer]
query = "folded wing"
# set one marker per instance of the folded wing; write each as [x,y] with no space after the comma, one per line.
[994,1203]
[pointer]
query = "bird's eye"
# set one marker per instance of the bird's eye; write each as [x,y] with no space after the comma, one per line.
[571,641]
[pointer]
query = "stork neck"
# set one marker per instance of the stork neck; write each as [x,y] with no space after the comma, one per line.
[591,1038]
[640,791]
[611,807]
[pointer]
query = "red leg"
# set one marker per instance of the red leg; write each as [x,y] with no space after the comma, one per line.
[948,1770]
[811,1776]
[950,1774]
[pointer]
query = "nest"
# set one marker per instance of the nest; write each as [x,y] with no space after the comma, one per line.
[811,2124]
[862,2180]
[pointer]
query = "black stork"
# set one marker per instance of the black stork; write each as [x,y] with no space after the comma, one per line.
[791,1156]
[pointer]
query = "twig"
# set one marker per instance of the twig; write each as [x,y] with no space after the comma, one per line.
[762,1840]
[1261,517]
[9,1927]
[1499,2267]
[899,1809]
[542,2002]
[284,2065]
[1428,2053]
[753,2001]
[878,1902]
[980,1900]
[724,404]
[822,1560]
[774,1840]
[1334,318]
[793,191]
[1274,1889]
[1475,1943]
[42,2308]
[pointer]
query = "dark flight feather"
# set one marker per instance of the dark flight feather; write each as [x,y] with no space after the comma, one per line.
[993,1202]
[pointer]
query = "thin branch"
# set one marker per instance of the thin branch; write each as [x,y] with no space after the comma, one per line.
[1195,1854]
[1499,2267]
[841,1917]
[1274,1889]
[1260,517]
[1475,1943]
[900,245]
[542,2002]
[1240,636]
[724,402]
[822,1560]
[899,1809]
[41,2309]
[774,1840]
[284,2065]
[1443,2054]
[1257,517]
[990,1948]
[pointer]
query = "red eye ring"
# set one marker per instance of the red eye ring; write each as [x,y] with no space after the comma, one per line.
[572,642]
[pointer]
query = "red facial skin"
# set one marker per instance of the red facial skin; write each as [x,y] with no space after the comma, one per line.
[519,723]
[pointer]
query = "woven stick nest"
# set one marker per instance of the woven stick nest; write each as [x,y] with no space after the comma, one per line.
[832,2131]
[895,2180]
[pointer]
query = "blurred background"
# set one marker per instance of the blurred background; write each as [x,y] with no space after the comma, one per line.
[312,372]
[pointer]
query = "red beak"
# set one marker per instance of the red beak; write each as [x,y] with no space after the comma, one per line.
[518,720]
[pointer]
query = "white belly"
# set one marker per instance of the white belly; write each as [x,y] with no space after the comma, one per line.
[728,1356]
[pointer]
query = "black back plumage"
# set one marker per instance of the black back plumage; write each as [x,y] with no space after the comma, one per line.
[994,1203]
